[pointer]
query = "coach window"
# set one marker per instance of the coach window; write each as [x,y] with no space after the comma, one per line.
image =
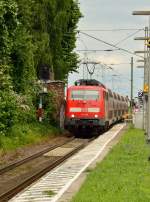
[85,95]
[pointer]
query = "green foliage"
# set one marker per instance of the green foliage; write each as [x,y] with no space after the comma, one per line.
[8,25]
[63,34]
[8,106]
[23,73]
[5,79]
[54,30]
[26,111]
[8,109]
[33,33]
[49,193]
[24,134]
[49,108]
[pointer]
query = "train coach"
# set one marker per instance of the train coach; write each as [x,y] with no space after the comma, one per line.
[89,104]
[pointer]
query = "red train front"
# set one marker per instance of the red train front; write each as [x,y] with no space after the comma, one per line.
[85,105]
[90,104]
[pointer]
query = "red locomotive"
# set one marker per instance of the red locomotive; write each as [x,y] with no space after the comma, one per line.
[89,104]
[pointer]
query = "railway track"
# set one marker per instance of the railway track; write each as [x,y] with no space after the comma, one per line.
[54,185]
[30,158]
[53,157]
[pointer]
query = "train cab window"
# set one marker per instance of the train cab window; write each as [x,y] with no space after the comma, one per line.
[85,95]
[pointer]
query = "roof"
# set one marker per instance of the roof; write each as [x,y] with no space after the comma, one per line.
[88,82]
[85,87]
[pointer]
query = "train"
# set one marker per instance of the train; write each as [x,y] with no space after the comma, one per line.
[90,105]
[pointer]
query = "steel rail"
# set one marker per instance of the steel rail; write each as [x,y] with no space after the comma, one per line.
[30,158]
[28,181]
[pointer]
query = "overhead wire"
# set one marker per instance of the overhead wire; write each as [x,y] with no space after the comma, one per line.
[110,44]
[111,30]
[114,71]
[127,37]
[119,78]
[115,46]
[123,63]
[96,50]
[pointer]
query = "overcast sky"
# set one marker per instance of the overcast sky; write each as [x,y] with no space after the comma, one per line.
[107,15]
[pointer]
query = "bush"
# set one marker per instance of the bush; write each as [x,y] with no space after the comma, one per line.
[25,134]
[27,111]
[8,109]
[49,108]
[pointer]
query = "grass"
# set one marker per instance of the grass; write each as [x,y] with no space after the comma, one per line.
[123,176]
[25,134]
[49,193]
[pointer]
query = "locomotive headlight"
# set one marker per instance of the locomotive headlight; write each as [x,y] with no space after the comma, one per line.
[96,116]
[72,115]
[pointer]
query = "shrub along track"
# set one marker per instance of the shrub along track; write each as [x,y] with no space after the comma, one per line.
[20,174]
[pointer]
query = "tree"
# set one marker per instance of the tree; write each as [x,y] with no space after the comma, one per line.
[33,33]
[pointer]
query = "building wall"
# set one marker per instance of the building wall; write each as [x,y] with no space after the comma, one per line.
[58,90]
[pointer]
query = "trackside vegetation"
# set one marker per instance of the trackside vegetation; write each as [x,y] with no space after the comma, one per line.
[33,34]
[123,176]
[27,134]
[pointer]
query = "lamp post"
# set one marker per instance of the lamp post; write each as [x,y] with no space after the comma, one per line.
[146,74]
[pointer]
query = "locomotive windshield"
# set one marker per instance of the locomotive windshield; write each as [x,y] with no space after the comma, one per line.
[85,95]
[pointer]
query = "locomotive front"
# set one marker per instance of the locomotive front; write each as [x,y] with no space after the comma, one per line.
[84,107]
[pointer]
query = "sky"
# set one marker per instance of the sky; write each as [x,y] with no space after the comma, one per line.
[106,15]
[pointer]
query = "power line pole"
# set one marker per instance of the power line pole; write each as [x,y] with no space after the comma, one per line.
[131,84]
[145,84]
[148,61]
[146,70]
